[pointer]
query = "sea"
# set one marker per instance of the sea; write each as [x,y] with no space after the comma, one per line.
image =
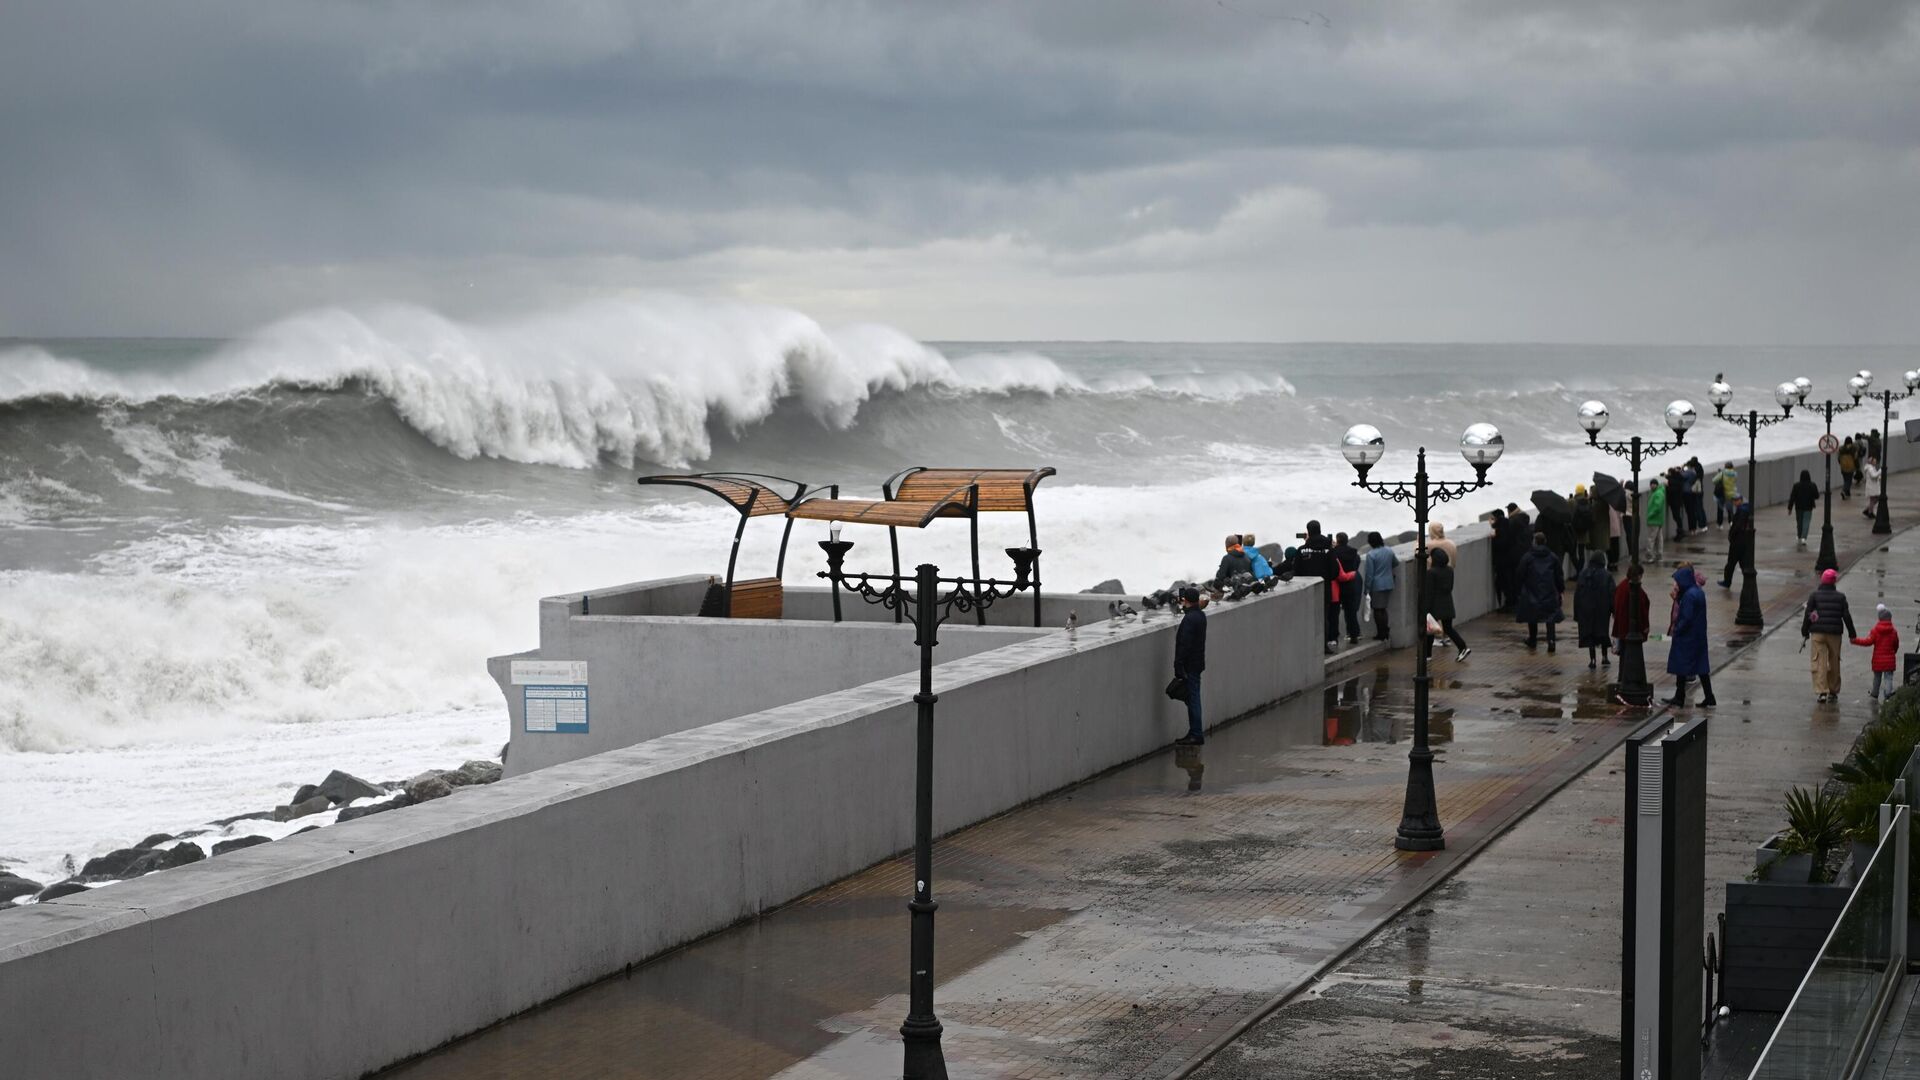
[229,566]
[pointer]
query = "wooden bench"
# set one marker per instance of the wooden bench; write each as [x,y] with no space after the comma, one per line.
[754,598]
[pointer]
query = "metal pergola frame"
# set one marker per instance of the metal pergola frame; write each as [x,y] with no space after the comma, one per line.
[753,495]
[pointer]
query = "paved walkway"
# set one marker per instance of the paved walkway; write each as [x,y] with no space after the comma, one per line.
[1124,926]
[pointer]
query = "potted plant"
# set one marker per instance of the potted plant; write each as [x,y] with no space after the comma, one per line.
[1777,919]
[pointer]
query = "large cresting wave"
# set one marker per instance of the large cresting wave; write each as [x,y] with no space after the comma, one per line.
[616,380]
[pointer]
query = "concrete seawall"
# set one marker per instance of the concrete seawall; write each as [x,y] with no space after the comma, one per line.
[337,952]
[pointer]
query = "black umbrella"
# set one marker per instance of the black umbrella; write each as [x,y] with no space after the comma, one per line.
[1608,490]
[1553,504]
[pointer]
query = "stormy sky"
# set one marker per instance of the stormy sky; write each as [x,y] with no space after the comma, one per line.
[1481,170]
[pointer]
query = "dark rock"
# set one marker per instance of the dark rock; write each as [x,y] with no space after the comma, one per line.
[1275,554]
[239,842]
[309,828]
[303,793]
[313,805]
[166,859]
[454,777]
[428,785]
[504,747]
[112,866]
[12,885]
[481,772]
[257,814]
[346,787]
[56,891]
[1112,586]
[354,813]
[154,840]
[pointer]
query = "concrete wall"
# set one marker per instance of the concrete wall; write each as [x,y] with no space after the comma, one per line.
[652,675]
[343,950]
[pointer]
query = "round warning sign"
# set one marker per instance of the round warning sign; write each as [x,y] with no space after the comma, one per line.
[1829,444]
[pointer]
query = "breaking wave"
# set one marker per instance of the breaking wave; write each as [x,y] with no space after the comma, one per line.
[619,381]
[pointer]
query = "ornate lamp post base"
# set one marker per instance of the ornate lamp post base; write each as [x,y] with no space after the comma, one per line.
[1633,688]
[1749,613]
[1420,820]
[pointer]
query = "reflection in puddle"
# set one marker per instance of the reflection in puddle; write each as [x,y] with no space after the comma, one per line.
[1374,708]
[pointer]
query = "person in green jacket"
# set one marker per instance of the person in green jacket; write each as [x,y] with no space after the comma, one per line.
[1656,530]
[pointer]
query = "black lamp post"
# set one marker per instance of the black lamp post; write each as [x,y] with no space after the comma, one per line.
[1829,559]
[1634,689]
[1786,395]
[926,607]
[1481,445]
[1882,524]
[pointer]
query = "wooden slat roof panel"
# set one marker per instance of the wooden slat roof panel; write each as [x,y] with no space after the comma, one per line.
[898,513]
[737,489]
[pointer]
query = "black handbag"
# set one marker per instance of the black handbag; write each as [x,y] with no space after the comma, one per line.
[1177,689]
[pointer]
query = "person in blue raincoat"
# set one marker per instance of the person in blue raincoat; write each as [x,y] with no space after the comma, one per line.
[1687,646]
[1262,570]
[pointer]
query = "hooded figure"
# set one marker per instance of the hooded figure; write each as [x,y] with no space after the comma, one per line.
[1437,541]
[1885,642]
[1687,651]
[1539,586]
[1593,604]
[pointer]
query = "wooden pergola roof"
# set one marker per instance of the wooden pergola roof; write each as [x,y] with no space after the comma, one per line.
[897,514]
[999,489]
[752,494]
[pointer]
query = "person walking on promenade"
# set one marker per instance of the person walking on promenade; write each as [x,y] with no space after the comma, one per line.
[1593,609]
[1262,569]
[1631,608]
[1801,502]
[1687,649]
[1232,564]
[1440,606]
[1376,573]
[1656,524]
[1873,443]
[1872,474]
[1849,461]
[1826,616]
[1885,642]
[1347,586]
[1619,526]
[1677,501]
[1740,542]
[1541,584]
[1190,661]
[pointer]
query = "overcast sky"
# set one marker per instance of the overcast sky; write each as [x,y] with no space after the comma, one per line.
[1574,170]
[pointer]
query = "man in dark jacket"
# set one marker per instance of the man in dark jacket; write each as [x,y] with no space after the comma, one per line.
[1348,560]
[1538,589]
[1739,542]
[1519,540]
[1825,616]
[1233,563]
[1316,559]
[1190,660]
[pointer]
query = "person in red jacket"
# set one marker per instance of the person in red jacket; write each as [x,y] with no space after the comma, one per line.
[1885,641]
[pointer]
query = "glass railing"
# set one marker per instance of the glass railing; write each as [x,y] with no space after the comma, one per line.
[1829,1025]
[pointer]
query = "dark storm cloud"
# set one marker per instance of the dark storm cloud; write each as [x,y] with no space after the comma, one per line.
[200,166]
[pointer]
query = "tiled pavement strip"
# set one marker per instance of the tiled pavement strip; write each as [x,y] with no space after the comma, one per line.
[1124,926]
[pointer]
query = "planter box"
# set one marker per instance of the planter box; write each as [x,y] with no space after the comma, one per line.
[1773,933]
[1775,868]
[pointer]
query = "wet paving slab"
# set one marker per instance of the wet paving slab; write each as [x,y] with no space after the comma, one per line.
[1124,926]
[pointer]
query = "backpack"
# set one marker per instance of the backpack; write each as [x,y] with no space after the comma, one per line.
[1582,518]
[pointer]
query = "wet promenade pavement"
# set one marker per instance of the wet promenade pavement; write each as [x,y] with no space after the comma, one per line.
[1125,926]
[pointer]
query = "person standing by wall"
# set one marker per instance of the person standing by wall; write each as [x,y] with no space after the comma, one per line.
[1656,524]
[1631,608]
[1190,661]
[1376,572]
[1871,472]
[1593,609]
[1802,501]
[1437,541]
[1885,642]
[1440,606]
[1540,584]
[1849,461]
[1347,585]
[1726,488]
[1232,564]
[1687,651]
[1262,569]
[1826,615]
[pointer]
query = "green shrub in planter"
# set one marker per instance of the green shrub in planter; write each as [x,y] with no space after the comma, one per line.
[1903,705]
[1816,825]
[1882,753]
